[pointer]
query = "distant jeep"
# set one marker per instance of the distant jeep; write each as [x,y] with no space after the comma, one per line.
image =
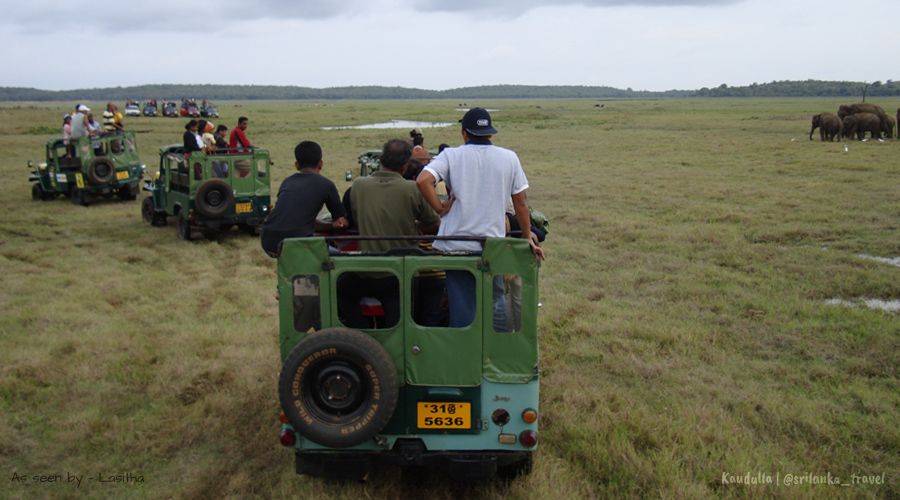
[209,193]
[89,168]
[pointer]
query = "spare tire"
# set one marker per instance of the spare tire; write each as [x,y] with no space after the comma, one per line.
[338,387]
[101,171]
[214,198]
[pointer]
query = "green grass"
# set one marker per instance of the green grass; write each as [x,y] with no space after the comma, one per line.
[684,332]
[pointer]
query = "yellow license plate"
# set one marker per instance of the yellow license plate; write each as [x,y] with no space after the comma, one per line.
[121,175]
[243,208]
[444,415]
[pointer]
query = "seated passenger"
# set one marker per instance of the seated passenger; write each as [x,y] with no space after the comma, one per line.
[192,140]
[383,204]
[300,198]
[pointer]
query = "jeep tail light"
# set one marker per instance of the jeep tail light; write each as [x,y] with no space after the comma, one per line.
[529,416]
[287,438]
[528,439]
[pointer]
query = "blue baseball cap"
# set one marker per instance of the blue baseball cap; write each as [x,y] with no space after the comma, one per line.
[477,122]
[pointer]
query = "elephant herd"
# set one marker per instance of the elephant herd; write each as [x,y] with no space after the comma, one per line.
[854,120]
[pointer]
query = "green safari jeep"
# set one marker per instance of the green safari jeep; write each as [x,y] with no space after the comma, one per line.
[209,192]
[360,384]
[89,168]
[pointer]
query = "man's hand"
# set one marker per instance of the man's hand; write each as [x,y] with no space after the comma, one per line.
[340,223]
[536,248]
[445,205]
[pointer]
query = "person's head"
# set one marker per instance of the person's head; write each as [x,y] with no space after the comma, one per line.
[477,123]
[67,119]
[308,155]
[395,155]
[242,122]
[110,106]
[201,126]
[191,125]
[416,136]
[83,109]
[221,129]
[442,147]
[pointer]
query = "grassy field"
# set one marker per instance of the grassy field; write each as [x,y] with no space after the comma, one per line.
[685,332]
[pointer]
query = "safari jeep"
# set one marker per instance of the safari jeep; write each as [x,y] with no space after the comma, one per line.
[360,385]
[89,168]
[209,192]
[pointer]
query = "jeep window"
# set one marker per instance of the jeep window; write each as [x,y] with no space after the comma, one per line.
[506,306]
[220,168]
[369,300]
[261,168]
[242,167]
[306,303]
[429,298]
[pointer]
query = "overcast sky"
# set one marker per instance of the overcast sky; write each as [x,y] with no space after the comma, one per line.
[441,44]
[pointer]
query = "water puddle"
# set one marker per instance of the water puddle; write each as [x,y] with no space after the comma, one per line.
[407,124]
[891,261]
[891,306]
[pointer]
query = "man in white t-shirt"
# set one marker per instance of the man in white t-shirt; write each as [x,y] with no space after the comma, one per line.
[480,178]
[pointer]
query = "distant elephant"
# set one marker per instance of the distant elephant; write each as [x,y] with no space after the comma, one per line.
[860,123]
[889,125]
[863,107]
[898,121]
[829,126]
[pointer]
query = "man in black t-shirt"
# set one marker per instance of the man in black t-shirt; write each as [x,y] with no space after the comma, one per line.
[300,198]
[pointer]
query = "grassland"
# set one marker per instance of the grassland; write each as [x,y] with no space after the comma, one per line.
[684,331]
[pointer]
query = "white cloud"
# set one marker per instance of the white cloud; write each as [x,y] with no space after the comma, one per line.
[646,44]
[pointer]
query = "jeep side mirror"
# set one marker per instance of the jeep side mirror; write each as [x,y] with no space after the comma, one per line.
[30,164]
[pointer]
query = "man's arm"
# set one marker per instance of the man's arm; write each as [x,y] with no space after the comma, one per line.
[520,205]
[425,182]
[333,202]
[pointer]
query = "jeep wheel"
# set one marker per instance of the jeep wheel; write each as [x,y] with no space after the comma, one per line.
[101,171]
[128,192]
[79,197]
[214,198]
[150,215]
[338,387]
[184,229]
[37,192]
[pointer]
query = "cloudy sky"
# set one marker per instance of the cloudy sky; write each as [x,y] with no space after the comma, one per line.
[441,44]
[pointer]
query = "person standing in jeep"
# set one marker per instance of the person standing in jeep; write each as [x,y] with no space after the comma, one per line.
[238,142]
[481,178]
[300,198]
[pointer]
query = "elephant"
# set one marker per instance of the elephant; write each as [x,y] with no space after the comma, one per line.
[829,126]
[860,123]
[889,125]
[863,107]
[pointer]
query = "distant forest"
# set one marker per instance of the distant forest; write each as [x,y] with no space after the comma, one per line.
[808,88]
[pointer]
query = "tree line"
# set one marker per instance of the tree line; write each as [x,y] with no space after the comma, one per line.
[808,88]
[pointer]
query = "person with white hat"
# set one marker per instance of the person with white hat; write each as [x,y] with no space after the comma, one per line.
[81,127]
